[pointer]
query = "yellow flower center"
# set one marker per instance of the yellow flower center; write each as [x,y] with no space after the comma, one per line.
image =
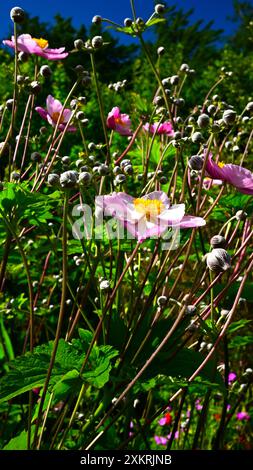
[43,43]
[120,122]
[55,117]
[221,164]
[149,207]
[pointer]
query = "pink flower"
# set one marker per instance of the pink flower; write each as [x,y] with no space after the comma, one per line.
[231,377]
[208,182]
[198,405]
[176,436]
[119,122]
[160,440]
[243,416]
[164,128]
[236,175]
[148,216]
[52,113]
[26,43]
[166,420]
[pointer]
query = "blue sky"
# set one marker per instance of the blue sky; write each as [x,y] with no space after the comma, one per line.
[83,10]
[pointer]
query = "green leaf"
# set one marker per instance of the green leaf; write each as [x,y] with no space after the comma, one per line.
[19,442]
[155,21]
[30,371]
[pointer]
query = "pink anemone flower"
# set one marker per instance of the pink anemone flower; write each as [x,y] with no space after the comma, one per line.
[25,43]
[52,113]
[160,440]
[165,128]
[148,216]
[243,415]
[119,122]
[237,176]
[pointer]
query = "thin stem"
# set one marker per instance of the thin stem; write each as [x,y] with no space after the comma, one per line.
[61,314]
[101,107]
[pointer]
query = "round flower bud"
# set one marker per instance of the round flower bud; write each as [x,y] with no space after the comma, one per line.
[163,180]
[211,109]
[65,160]
[249,106]
[160,50]
[35,87]
[128,22]
[196,162]
[174,80]
[84,177]
[80,115]
[36,157]
[197,137]
[218,241]
[92,146]
[241,215]
[125,162]
[53,179]
[104,285]
[177,135]
[103,169]
[97,19]
[158,100]
[218,260]
[78,44]
[248,371]
[15,176]
[224,312]
[9,104]
[82,99]
[203,121]
[162,300]
[97,42]
[184,68]
[45,71]
[229,117]
[23,56]
[120,179]
[20,79]
[128,169]
[140,21]
[190,310]
[159,9]
[17,15]
[68,179]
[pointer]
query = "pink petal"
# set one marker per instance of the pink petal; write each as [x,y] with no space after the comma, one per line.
[42,112]
[158,195]
[173,215]
[190,221]
[53,106]
[67,113]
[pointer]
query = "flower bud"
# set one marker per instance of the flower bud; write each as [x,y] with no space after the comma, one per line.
[103,169]
[190,310]
[184,68]
[66,160]
[9,104]
[241,215]
[104,285]
[78,44]
[35,87]
[159,9]
[80,115]
[211,109]
[97,42]
[249,106]
[36,157]
[97,19]
[120,179]
[84,177]
[68,179]
[15,176]
[218,260]
[196,162]
[17,15]
[197,137]
[218,241]
[45,71]
[53,179]
[174,80]
[229,117]
[203,121]
[160,50]
[23,56]
[128,169]
[128,22]
[162,300]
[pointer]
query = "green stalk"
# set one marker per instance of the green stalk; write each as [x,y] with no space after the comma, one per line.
[61,314]
[101,107]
